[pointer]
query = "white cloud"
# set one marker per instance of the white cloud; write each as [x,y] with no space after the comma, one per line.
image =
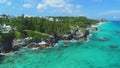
[41,7]
[27,5]
[111,12]
[54,3]
[58,5]
[3,1]
[9,3]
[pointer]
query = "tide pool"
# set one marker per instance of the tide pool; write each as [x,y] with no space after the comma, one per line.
[93,54]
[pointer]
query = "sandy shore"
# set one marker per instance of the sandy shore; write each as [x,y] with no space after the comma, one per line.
[100,23]
[97,25]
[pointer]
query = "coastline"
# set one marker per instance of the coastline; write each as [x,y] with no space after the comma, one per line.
[98,24]
[86,39]
[90,51]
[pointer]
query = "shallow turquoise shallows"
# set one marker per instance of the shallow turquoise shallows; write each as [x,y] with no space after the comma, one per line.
[102,51]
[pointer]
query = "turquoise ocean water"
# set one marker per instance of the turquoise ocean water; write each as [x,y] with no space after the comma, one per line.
[93,54]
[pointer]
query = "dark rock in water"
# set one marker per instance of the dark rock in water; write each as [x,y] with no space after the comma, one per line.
[86,32]
[113,46]
[118,32]
[103,39]
[1,58]
[15,48]
[96,28]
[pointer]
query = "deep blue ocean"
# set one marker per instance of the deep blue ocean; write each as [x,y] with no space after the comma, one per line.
[101,51]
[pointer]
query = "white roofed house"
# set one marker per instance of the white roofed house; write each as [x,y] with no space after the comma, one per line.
[5,28]
[51,19]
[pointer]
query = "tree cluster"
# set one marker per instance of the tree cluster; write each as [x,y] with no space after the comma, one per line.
[36,26]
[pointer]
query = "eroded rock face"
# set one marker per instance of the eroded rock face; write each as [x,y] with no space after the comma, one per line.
[7,48]
[7,42]
[42,46]
[15,48]
[86,33]
[113,46]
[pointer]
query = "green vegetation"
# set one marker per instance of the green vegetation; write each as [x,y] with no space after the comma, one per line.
[38,27]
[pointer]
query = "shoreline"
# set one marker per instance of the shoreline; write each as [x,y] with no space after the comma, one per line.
[90,52]
[98,24]
[95,27]
[85,38]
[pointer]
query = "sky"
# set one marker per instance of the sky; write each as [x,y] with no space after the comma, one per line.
[108,9]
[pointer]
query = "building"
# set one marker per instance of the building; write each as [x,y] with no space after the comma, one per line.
[5,28]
